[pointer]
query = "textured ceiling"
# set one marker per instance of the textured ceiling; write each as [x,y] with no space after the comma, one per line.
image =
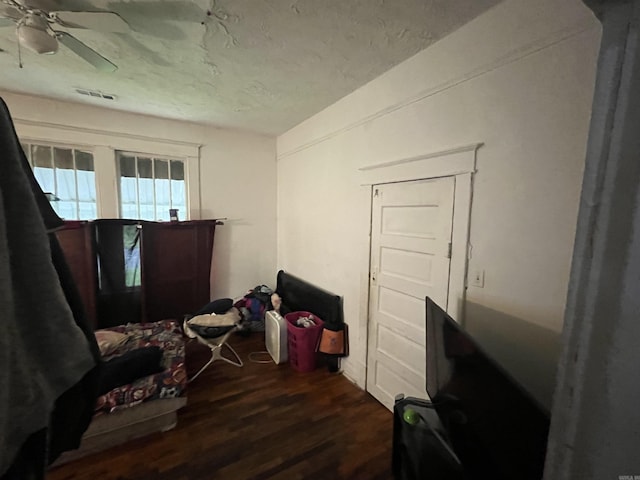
[260,65]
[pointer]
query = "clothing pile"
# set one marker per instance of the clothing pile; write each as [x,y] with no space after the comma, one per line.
[306,322]
[253,306]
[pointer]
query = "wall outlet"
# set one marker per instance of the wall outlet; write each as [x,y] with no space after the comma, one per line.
[476,278]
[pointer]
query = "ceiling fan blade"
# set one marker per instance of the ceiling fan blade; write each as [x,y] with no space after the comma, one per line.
[44,5]
[85,52]
[108,22]
[9,12]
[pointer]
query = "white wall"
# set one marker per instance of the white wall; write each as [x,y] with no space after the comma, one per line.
[519,79]
[231,174]
[238,175]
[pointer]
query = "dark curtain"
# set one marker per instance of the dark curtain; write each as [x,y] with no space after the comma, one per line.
[119,272]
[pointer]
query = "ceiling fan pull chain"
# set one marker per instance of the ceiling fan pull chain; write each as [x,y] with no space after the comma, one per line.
[19,52]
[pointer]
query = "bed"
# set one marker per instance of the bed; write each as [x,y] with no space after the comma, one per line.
[148,404]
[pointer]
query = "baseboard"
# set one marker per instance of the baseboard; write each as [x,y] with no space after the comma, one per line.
[356,372]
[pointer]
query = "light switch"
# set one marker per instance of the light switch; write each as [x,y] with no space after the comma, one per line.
[476,278]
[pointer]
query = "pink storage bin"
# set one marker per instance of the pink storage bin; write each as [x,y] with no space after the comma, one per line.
[302,341]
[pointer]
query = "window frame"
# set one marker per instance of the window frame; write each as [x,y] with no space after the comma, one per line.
[151,156]
[24,141]
[104,142]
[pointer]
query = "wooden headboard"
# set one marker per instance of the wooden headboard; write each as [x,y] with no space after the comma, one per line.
[298,294]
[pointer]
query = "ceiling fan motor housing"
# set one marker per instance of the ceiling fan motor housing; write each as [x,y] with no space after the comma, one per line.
[37,28]
[33,33]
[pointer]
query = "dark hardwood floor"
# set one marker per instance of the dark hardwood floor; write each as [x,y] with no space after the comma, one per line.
[256,422]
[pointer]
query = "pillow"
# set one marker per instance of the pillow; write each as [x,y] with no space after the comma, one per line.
[226,319]
[126,368]
[218,307]
[109,342]
[210,332]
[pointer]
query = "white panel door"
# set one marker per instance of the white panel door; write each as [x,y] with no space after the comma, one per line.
[410,254]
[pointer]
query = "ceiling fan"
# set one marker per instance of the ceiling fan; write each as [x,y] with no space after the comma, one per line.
[37,29]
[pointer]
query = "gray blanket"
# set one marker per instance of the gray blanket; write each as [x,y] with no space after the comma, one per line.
[42,351]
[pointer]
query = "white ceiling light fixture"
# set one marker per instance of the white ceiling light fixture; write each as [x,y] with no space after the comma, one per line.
[36,29]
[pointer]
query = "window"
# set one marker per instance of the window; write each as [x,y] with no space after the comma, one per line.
[68,173]
[150,186]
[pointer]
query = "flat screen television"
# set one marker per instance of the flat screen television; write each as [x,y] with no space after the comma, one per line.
[495,426]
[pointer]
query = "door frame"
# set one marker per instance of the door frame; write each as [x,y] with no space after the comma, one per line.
[458,162]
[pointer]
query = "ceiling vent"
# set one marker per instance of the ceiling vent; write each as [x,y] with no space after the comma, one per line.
[95,94]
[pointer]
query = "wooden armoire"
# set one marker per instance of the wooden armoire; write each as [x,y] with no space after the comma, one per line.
[130,271]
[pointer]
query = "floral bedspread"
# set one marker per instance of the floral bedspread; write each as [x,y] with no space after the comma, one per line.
[169,383]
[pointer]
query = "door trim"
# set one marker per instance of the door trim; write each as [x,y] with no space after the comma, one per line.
[443,163]
[458,162]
